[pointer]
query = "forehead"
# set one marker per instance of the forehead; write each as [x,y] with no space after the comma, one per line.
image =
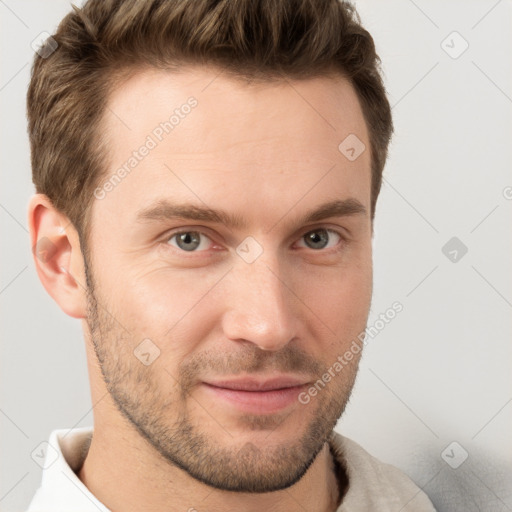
[151,96]
[200,136]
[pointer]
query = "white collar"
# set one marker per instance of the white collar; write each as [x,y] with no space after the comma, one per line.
[373,485]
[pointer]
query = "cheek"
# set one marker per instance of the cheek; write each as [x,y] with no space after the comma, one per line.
[340,296]
[174,308]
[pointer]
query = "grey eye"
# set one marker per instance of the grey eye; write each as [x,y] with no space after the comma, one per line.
[320,238]
[187,240]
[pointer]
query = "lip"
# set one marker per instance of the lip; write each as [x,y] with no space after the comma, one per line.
[257,396]
[255,384]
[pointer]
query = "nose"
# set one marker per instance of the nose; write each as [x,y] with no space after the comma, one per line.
[261,307]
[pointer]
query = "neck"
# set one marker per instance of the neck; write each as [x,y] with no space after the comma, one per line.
[126,474]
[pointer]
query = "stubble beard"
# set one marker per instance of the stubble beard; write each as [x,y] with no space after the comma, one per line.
[164,420]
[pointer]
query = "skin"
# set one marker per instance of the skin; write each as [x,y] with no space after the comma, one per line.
[267,153]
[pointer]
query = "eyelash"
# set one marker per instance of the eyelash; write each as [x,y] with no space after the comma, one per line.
[334,249]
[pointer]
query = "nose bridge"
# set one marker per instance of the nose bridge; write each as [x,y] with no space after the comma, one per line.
[261,308]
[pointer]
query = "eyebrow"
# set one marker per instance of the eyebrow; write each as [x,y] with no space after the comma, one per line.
[164,210]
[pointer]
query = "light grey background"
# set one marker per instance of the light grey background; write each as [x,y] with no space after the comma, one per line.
[440,371]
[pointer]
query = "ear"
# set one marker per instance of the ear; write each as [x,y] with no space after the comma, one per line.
[57,256]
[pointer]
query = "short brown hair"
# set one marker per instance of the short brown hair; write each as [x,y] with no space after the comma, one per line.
[250,39]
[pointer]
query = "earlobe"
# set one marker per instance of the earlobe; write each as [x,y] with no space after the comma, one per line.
[57,256]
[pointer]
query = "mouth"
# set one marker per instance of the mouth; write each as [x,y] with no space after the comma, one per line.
[257,396]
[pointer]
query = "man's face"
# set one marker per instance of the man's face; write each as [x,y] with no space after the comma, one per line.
[268,301]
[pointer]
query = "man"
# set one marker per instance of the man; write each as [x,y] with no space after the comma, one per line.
[206,177]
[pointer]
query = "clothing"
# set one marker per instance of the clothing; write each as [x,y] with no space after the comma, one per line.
[373,485]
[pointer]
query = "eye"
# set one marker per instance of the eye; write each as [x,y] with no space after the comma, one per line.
[321,239]
[190,241]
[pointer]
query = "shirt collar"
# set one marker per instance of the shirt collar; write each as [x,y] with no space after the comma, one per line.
[61,489]
[66,450]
